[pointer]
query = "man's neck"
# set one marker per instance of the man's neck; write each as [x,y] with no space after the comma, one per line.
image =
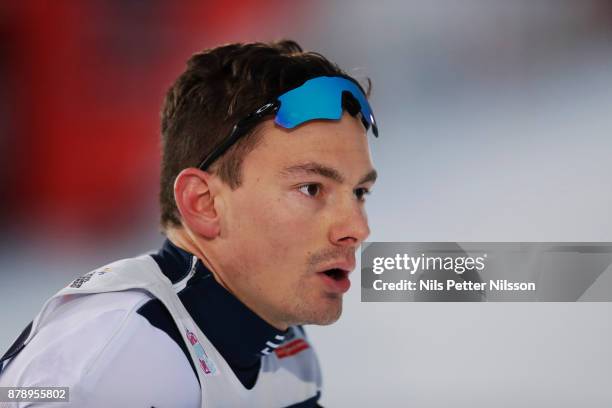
[239,334]
[183,238]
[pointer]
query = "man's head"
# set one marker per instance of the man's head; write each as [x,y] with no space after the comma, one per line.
[279,215]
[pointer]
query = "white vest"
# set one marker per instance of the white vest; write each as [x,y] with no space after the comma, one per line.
[288,375]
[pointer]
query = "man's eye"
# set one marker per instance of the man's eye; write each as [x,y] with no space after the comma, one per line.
[311,190]
[360,193]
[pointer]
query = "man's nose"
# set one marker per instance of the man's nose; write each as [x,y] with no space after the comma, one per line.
[350,224]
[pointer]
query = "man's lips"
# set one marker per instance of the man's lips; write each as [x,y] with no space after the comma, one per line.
[345,265]
[335,275]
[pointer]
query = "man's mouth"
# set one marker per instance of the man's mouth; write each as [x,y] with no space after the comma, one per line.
[336,279]
[336,273]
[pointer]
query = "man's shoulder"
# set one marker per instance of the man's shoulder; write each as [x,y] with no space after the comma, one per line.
[73,337]
[99,342]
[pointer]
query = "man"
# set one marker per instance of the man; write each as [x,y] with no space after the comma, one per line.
[264,174]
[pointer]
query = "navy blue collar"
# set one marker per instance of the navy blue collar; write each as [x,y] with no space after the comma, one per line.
[239,334]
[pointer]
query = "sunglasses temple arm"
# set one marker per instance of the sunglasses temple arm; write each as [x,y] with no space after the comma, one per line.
[237,132]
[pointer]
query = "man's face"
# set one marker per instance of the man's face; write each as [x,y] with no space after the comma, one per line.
[299,212]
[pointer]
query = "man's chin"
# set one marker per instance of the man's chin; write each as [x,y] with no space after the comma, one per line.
[327,322]
[328,314]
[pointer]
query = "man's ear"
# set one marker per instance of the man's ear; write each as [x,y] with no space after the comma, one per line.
[194,194]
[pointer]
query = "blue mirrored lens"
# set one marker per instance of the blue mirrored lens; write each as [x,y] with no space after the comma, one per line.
[320,98]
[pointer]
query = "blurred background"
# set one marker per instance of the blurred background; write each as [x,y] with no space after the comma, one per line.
[495,120]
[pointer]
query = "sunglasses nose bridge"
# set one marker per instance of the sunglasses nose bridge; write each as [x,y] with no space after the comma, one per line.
[350,103]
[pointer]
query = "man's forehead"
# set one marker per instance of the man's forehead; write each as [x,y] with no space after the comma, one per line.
[335,149]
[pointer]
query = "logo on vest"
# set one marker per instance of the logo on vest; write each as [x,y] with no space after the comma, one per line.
[292,348]
[206,363]
[78,282]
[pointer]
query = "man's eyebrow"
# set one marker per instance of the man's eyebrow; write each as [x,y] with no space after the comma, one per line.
[325,171]
[314,168]
[370,177]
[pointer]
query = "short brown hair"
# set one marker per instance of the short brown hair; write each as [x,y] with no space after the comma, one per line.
[219,87]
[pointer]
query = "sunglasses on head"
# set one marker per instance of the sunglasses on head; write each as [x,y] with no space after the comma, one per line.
[317,98]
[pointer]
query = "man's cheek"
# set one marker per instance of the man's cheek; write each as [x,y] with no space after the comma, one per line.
[277,218]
